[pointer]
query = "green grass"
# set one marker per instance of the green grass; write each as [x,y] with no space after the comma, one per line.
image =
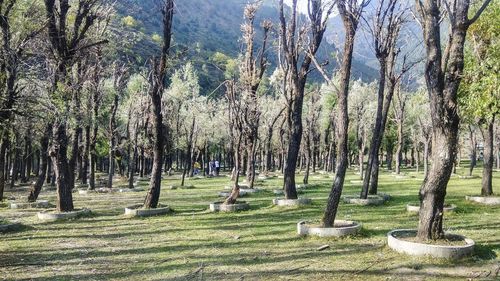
[260,244]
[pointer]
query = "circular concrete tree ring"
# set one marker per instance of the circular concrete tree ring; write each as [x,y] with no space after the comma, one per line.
[467,177]
[52,215]
[124,190]
[374,200]
[242,186]
[85,191]
[30,205]
[13,226]
[226,194]
[384,196]
[487,200]
[139,211]
[292,202]
[263,178]
[356,181]
[341,228]
[221,207]
[395,242]
[278,191]
[416,208]
[250,190]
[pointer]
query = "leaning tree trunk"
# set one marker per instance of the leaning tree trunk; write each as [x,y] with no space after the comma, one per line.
[373,161]
[307,149]
[155,183]
[488,136]
[342,124]
[62,171]
[473,147]
[42,173]
[3,155]
[433,190]
[251,163]
[235,192]
[399,148]
[294,139]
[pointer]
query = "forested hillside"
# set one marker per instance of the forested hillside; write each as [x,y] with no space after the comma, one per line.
[203,28]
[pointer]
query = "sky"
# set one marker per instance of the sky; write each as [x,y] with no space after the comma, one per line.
[301,4]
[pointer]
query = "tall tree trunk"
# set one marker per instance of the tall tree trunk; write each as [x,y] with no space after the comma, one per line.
[350,19]
[488,136]
[473,150]
[86,152]
[59,157]
[42,173]
[307,149]
[399,148]
[3,156]
[373,160]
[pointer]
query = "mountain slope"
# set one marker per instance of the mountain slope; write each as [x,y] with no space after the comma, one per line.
[206,27]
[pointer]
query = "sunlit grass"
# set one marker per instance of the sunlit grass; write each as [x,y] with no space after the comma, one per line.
[260,244]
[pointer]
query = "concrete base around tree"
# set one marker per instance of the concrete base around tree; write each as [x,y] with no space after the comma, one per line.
[395,242]
[97,190]
[487,200]
[124,190]
[139,211]
[341,228]
[30,205]
[186,186]
[371,200]
[12,226]
[292,202]
[416,208]
[468,177]
[53,215]
[250,190]
[226,194]
[221,207]
[278,191]
[242,186]
[302,186]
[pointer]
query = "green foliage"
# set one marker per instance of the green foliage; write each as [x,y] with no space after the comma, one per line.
[479,94]
[129,21]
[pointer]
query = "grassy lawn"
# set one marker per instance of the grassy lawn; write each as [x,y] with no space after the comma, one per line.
[260,244]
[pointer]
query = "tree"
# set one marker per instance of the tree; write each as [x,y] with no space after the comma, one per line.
[386,27]
[157,85]
[67,36]
[16,36]
[360,107]
[119,85]
[443,74]
[295,44]
[252,71]
[350,12]
[479,94]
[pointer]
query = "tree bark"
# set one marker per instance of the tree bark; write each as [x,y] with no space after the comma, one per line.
[157,81]
[3,156]
[488,136]
[62,172]
[42,173]
[350,19]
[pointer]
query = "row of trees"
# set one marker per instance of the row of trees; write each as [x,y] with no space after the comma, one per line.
[71,104]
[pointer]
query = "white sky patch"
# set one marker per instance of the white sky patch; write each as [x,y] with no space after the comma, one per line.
[302,5]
